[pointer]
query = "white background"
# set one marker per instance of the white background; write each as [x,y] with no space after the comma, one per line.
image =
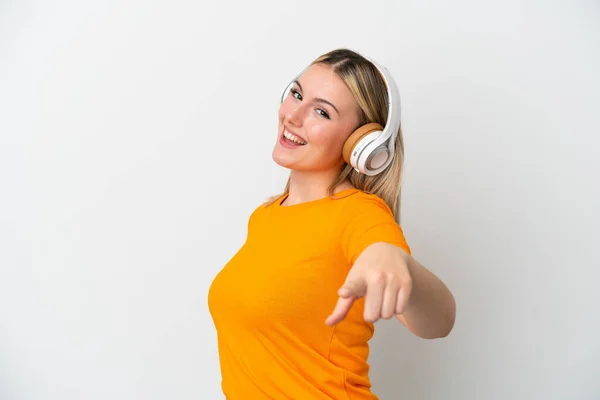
[136,137]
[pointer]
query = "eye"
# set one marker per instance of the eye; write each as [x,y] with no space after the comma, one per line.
[324,114]
[294,92]
[320,111]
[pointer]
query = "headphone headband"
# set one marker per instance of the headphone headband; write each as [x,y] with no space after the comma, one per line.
[390,130]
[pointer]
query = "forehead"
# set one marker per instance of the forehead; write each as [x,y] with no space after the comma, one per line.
[322,82]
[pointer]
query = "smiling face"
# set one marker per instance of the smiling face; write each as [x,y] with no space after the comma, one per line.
[315,119]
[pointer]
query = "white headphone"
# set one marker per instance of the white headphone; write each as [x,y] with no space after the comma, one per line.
[370,148]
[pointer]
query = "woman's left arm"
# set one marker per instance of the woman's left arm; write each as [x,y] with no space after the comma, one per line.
[395,284]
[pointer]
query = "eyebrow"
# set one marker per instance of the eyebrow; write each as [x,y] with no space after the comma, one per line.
[318,98]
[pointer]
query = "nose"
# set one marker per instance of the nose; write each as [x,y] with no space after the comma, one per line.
[294,114]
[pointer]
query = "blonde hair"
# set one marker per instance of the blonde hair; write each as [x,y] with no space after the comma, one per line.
[369,90]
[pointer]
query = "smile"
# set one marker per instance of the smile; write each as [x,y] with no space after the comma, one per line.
[293,138]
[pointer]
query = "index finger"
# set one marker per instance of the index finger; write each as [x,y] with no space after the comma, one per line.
[340,311]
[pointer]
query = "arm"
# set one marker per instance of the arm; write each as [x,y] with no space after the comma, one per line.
[395,284]
[431,309]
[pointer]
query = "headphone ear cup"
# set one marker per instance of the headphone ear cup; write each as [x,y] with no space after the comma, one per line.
[356,136]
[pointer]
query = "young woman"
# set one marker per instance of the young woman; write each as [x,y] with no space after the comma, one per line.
[294,308]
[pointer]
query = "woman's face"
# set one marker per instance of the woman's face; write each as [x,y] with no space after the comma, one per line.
[315,119]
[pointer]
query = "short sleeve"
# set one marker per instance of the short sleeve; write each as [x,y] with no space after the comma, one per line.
[371,221]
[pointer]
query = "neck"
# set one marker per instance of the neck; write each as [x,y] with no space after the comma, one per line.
[309,186]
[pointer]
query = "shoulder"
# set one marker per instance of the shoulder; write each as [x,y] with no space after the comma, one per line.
[364,211]
[257,213]
[260,209]
[363,202]
[369,220]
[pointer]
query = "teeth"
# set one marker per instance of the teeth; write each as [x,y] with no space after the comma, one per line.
[293,138]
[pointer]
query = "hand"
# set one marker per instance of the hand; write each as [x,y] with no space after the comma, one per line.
[381,274]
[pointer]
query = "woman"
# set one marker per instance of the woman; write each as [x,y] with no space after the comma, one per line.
[294,308]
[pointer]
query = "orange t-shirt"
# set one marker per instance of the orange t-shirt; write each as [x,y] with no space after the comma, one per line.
[270,302]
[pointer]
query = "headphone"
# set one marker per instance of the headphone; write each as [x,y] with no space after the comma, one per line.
[370,148]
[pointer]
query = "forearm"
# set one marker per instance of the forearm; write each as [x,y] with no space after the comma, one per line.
[431,310]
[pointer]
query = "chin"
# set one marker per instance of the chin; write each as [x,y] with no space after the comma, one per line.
[281,161]
[299,162]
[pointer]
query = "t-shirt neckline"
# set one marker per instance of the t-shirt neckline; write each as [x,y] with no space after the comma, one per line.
[338,195]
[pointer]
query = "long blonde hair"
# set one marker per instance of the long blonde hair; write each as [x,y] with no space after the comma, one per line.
[369,90]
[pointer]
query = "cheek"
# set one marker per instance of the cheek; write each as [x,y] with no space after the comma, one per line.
[281,112]
[287,107]
[326,137]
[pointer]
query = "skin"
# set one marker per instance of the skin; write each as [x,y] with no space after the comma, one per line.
[393,283]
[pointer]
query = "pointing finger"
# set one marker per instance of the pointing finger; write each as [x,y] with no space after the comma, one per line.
[353,288]
[341,310]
